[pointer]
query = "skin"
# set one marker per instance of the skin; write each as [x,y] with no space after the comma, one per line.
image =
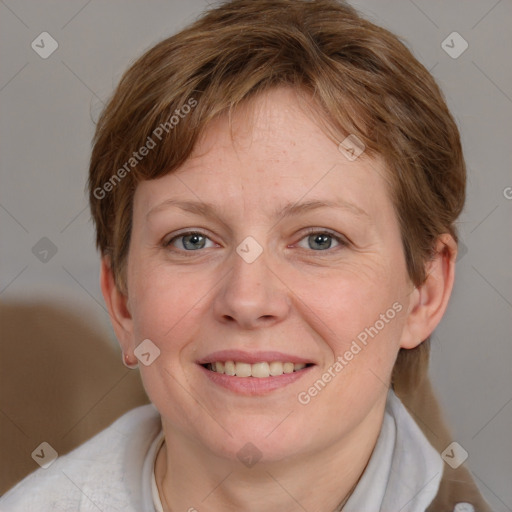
[295,298]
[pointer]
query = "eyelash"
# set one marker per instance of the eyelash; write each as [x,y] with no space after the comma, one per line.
[342,241]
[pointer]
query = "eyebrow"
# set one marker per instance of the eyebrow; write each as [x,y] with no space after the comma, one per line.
[289,210]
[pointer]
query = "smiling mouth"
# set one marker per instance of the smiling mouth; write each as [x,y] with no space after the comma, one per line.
[258,370]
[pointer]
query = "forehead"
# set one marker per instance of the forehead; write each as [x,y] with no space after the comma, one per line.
[270,150]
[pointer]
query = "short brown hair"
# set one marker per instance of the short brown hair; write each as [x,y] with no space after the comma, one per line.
[365,81]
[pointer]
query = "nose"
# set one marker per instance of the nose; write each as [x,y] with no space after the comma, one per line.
[252,295]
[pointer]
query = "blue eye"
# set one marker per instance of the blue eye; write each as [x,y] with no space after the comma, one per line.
[190,241]
[322,241]
[316,240]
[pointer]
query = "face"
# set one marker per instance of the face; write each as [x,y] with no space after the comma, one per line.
[266,251]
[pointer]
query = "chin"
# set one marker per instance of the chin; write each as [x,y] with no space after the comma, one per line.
[264,439]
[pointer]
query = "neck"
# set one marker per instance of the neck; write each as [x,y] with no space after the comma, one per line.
[191,477]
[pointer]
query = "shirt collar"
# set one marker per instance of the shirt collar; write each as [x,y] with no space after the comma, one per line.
[404,470]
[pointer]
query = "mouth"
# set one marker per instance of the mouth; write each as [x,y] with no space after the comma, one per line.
[254,373]
[259,370]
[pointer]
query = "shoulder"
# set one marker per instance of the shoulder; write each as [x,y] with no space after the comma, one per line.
[104,472]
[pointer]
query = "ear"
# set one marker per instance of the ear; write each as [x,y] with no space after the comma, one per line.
[118,308]
[429,301]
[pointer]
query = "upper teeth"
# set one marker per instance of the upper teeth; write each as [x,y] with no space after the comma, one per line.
[260,370]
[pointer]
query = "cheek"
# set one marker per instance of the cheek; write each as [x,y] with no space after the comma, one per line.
[343,305]
[358,318]
[164,304]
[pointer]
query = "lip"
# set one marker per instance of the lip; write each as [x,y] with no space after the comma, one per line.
[251,386]
[241,356]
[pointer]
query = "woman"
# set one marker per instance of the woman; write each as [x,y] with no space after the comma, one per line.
[274,191]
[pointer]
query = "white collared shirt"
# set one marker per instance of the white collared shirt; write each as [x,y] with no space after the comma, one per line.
[114,471]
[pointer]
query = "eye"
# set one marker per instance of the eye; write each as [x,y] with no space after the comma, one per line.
[190,241]
[319,240]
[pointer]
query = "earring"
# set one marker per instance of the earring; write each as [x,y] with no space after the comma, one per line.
[128,363]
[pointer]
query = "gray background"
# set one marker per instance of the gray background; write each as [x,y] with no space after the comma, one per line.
[48,108]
